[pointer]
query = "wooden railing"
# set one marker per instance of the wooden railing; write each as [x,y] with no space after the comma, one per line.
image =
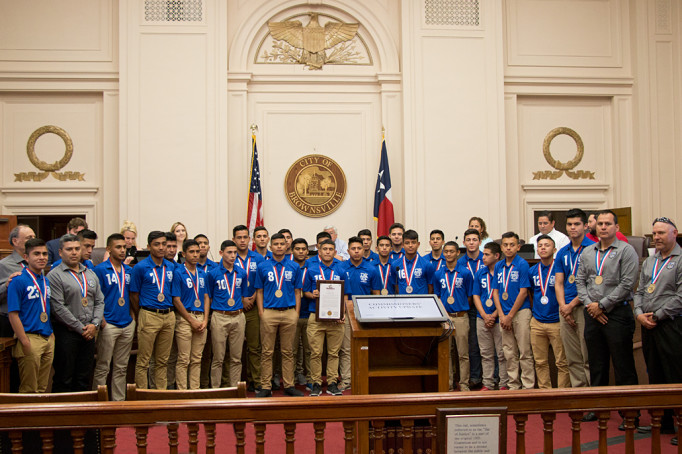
[375,409]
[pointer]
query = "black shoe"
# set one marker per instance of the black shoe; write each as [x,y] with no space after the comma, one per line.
[673,441]
[275,383]
[668,430]
[251,388]
[589,417]
[264,393]
[645,429]
[293,392]
[334,390]
[622,424]
[317,390]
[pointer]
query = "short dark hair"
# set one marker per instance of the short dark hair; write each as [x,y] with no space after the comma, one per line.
[228,243]
[365,232]
[437,232]
[410,235]
[187,243]
[383,237]
[67,238]
[283,231]
[201,235]
[577,213]
[546,237]
[468,232]
[259,228]
[239,228]
[493,247]
[546,214]
[396,225]
[86,234]
[276,236]
[511,235]
[327,241]
[599,213]
[299,241]
[76,222]
[155,235]
[321,235]
[354,239]
[170,236]
[451,243]
[32,244]
[114,237]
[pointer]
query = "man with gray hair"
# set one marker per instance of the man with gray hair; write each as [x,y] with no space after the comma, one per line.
[341,246]
[10,267]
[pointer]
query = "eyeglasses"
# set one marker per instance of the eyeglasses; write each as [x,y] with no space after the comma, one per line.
[665,221]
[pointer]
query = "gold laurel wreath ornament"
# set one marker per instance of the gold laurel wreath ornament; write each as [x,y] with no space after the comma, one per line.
[49,169]
[561,167]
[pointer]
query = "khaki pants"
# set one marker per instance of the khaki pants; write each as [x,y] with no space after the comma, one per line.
[517,351]
[227,331]
[460,338]
[575,348]
[271,322]
[542,335]
[302,355]
[253,347]
[344,355]
[190,345]
[490,344]
[34,368]
[317,332]
[154,337]
[113,346]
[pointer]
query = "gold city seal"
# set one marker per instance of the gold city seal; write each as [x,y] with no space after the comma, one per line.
[315,186]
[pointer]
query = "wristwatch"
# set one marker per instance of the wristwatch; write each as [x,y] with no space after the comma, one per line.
[601,307]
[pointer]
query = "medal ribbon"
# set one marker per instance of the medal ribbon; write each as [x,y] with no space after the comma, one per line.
[163,282]
[384,280]
[505,278]
[230,288]
[600,263]
[655,274]
[451,286]
[305,272]
[543,287]
[478,266]
[322,274]
[83,286]
[120,280]
[43,296]
[574,263]
[195,285]
[246,268]
[408,279]
[281,277]
[490,290]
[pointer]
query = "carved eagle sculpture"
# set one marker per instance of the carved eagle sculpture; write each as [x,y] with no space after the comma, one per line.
[313,39]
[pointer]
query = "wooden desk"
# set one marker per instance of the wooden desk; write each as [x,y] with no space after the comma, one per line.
[6,344]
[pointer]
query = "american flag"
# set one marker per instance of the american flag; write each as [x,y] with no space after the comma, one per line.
[254,216]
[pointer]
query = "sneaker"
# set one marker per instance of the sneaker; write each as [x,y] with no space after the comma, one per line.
[589,417]
[673,441]
[504,388]
[275,383]
[317,390]
[334,390]
[293,392]
[485,388]
[300,379]
[309,386]
[264,393]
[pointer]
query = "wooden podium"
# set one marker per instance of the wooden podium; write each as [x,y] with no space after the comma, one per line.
[397,358]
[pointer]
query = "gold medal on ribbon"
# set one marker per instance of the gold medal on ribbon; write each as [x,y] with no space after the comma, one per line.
[384,291]
[571,279]
[230,302]
[121,302]
[409,289]
[598,280]
[43,317]
[84,301]
[505,296]
[278,293]
[197,303]
[451,299]
[489,303]
[651,288]
[160,298]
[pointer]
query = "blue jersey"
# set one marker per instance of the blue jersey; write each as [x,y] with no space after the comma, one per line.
[456,283]
[516,276]
[396,255]
[86,263]
[149,279]
[483,287]
[373,257]
[249,264]
[306,303]
[567,262]
[220,285]
[271,276]
[318,271]
[111,284]
[546,311]
[437,263]
[419,272]
[472,265]
[208,266]
[386,275]
[361,279]
[190,287]
[24,297]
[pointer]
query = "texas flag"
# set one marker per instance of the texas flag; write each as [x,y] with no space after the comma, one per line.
[383,205]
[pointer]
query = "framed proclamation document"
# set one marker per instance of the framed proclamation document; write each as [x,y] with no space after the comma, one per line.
[330,304]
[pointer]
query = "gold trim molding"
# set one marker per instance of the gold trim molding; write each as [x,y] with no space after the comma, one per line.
[46,168]
[562,167]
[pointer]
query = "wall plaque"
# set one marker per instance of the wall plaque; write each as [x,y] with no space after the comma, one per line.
[315,185]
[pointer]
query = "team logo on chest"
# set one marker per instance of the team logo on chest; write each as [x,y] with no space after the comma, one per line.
[418,272]
[288,275]
[201,282]
[169,275]
[514,276]
[364,277]
[670,265]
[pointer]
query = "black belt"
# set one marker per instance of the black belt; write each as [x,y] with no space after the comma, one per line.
[280,308]
[158,311]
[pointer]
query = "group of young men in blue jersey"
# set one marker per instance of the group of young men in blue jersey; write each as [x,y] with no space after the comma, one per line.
[267,299]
